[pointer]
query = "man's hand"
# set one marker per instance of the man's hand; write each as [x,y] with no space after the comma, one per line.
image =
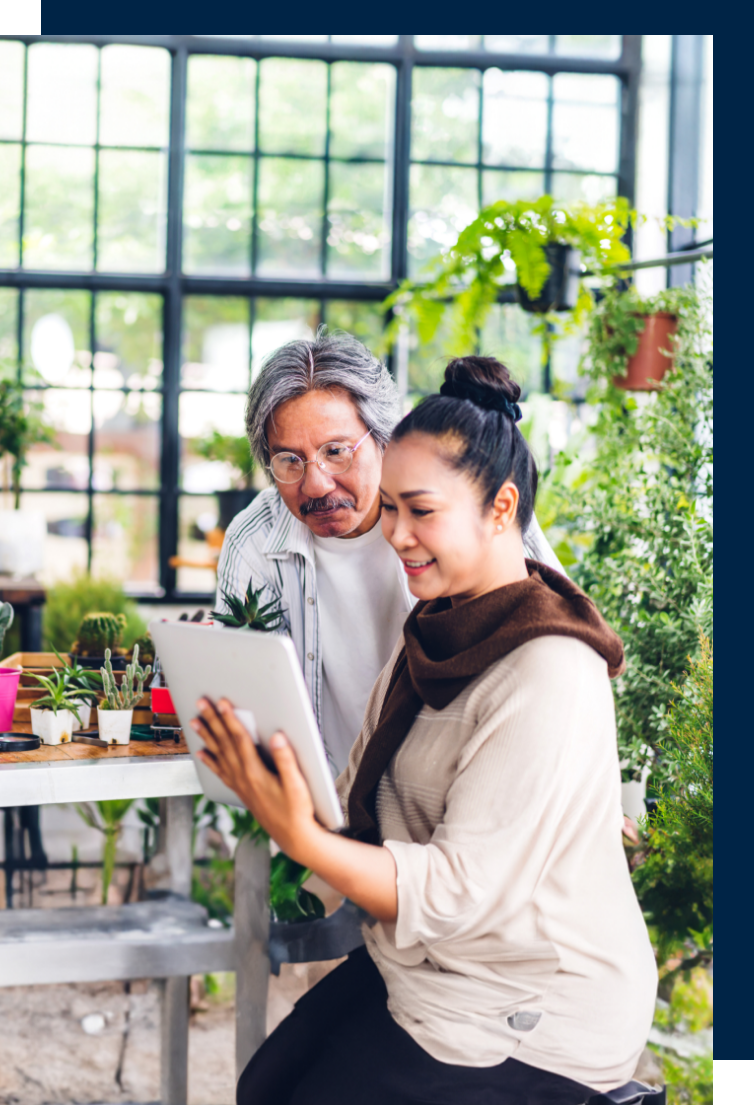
[282,803]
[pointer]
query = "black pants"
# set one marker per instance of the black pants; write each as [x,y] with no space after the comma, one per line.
[340,1046]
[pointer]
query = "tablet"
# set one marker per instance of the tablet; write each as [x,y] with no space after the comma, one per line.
[260,675]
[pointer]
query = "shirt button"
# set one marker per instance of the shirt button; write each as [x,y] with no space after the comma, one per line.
[310,601]
[310,656]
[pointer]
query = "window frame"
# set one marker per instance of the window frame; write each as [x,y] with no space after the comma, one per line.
[173,285]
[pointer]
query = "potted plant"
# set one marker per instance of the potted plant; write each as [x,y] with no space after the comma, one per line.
[633,338]
[53,716]
[107,818]
[115,712]
[22,532]
[246,613]
[9,677]
[87,683]
[99,634]
[234,451]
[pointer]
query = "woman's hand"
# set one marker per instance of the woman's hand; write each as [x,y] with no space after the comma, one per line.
[282,803]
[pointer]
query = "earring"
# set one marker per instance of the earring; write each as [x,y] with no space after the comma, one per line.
[499,529]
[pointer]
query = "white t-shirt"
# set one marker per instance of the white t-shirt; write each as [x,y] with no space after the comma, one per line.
[362,608]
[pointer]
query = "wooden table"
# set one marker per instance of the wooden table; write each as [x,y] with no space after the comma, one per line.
[27,597]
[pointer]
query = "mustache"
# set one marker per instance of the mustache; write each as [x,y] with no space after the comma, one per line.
[315,506]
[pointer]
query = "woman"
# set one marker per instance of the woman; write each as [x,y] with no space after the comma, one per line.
[508,961]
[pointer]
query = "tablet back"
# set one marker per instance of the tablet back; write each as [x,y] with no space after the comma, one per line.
[257,672]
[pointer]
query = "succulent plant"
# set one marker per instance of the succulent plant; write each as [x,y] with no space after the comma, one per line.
[6,621]
[99,631]
[248,614]
[126,696]
[146,648]
[86,683]
[60,695]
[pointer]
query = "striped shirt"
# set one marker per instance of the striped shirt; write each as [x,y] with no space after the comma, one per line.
[269,547]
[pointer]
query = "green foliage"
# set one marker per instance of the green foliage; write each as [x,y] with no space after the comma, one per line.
[60,695]
[126,696]
[6,621]
[689,1010]
[248,614]
[230,449]
[470,274]
[86,683]
[146,648]
[68,602]
[107,818]
[21,426]
[673,877]
[99,632]
[635,517]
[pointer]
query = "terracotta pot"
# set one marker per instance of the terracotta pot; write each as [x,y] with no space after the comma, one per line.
[648,365]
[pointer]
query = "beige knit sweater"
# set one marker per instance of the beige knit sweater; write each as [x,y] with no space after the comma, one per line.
[518,929]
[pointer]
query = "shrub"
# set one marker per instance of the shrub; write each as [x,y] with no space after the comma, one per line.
[68,602]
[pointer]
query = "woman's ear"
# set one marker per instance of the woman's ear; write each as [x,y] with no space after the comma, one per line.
[505,507]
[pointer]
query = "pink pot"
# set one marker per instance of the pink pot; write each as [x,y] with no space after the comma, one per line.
[9,678]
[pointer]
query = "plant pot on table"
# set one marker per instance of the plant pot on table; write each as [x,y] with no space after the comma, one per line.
[85,713]
[114,725]
[232,502]
[561,289]
[648,365]
[9,678]
[53,728]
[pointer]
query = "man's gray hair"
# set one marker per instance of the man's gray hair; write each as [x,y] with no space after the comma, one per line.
[330,360]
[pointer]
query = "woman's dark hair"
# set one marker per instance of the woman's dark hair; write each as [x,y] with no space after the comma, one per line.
[476,412]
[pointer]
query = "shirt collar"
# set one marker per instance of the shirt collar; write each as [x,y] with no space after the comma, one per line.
[288,536]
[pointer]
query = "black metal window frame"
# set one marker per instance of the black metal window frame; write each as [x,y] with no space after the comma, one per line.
[173,285]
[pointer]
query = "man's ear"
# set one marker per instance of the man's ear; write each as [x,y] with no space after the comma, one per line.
[505,507]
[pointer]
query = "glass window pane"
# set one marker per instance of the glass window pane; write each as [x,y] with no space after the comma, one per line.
[199,414]
[66,464]
[517,44]
[215,343]
[507,335]
[135,96]
[220,103]
[364,320]
[59,210]
[290,217]
[127,440]
[358,235]
[585,122]
[277,321]
[128,326]
[361,110]
[132,211]
[217,215]
[197,515]
[10,204]
[366,40]
[62,87]
[65,548]
[447,42]
[295,38]
[124,542]
[292,106]
[569,187]
[56,336]
[443,201]
[445,115]
[11,89]
[514,128]
[9,326]
[498,184]
[589,46]
[427,360]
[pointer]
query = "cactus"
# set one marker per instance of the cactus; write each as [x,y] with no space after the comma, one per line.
[124,697]
[6,621]
[98,632]
[146,647]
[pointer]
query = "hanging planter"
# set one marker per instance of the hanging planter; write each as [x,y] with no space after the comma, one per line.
[648,365]
[561,288]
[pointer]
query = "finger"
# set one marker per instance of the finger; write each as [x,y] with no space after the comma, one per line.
[250,761]
[292,779]
[218,737]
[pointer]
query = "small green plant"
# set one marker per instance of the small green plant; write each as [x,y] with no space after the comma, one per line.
[107,818]
[230,449]
[21,426]
[146,648]
[6,621]
[99,632]
[86,683]
[127,695]
[60,695]
[248,614]
[68,602]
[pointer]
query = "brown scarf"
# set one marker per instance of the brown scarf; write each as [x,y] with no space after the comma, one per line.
[446,647]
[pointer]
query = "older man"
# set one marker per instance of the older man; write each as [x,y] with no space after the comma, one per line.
[319,416]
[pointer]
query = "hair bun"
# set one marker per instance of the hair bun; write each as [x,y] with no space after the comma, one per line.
[489,399]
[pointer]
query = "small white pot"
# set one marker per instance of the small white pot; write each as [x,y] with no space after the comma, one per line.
[115,725]
[85,713]
[52,728]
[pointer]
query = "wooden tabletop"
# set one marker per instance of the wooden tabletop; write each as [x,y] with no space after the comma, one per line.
[50,753]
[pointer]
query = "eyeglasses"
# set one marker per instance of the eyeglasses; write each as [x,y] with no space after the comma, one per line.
[333,457]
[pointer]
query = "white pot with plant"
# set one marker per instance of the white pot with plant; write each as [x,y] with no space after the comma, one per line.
[87,684]
[115,711]
[54,715]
